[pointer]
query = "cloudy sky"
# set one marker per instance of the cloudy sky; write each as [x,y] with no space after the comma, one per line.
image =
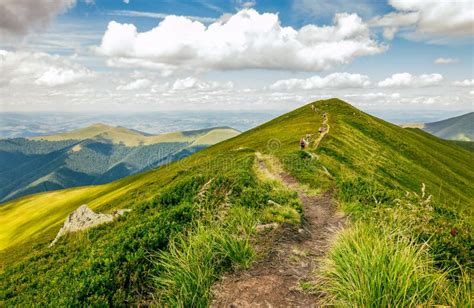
[142,55]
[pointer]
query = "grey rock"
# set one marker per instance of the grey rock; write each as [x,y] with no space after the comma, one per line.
[84,218]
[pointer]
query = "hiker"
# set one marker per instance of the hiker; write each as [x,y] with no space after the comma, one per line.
[302,143]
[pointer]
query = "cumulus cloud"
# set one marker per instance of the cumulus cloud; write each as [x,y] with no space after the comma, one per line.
[39,69]
[374,95]
[464,83]
[245,40]
[446,61]
[192,83]
[328,7]
[129,13]
[393,21]
[431,100]
[245,4]
[407,80]
[335,80]
[18,17]
[135,85]
[429,18]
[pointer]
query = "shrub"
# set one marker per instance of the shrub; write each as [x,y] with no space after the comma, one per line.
[184,190]
[254,197]
[281,214]
[360,190]
[448,234]
[304,155]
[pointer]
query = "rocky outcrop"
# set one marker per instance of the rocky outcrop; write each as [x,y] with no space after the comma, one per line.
[84,218]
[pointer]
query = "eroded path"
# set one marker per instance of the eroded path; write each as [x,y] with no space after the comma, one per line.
[285,276]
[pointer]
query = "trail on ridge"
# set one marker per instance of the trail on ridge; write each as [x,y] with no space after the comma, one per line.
[279,278]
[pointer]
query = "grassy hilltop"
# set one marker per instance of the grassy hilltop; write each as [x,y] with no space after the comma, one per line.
[194,219]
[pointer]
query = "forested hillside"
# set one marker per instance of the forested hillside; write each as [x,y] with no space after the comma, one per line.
[94,155]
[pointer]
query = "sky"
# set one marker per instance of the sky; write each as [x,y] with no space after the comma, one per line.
[402,56]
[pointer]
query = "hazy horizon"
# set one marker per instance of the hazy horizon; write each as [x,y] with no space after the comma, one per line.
[29,124]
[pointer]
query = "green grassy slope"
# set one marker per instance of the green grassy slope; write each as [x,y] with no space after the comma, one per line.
[368,162]
[457,128]
[468,145]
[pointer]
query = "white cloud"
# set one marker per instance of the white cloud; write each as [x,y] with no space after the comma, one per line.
[18,17]
[335,80]
[126,1]
[246,40]
[55,76]
[329,7]
[430,100]
[464,83]
[471,92]
[407,80]
[129,13]
[446,61]
[39,69]
[135,85]
[245,4]
[429,18]
[391,22]
[374,95]
[191,83]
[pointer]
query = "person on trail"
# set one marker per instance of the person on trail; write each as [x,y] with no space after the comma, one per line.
[302,143]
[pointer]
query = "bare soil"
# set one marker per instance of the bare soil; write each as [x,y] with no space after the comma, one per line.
[284,276]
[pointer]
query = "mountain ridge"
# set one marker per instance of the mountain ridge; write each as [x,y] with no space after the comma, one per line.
[128,137]
[181,210]
[459,128]
[92,155]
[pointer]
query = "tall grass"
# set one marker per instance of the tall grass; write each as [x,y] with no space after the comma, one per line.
[372,266]
[194,261]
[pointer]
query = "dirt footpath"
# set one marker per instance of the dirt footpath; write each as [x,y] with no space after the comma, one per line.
[285,276]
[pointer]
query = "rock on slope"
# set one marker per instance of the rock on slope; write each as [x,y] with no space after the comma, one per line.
[85,218]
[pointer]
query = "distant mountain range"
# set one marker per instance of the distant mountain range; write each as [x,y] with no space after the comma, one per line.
[93,155]
[459,128]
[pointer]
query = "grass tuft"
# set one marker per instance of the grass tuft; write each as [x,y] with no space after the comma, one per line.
[194,261]
[370,266]
[282,215]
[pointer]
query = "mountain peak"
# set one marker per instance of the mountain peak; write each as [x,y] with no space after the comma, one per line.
[101,125]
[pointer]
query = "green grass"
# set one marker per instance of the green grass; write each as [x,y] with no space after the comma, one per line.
[193,263]
[372,266]
[281,214]
[203,209]
[468,145]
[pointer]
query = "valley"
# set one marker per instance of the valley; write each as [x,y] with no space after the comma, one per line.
[96,154]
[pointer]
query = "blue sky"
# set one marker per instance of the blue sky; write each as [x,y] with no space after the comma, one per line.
[401,55]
